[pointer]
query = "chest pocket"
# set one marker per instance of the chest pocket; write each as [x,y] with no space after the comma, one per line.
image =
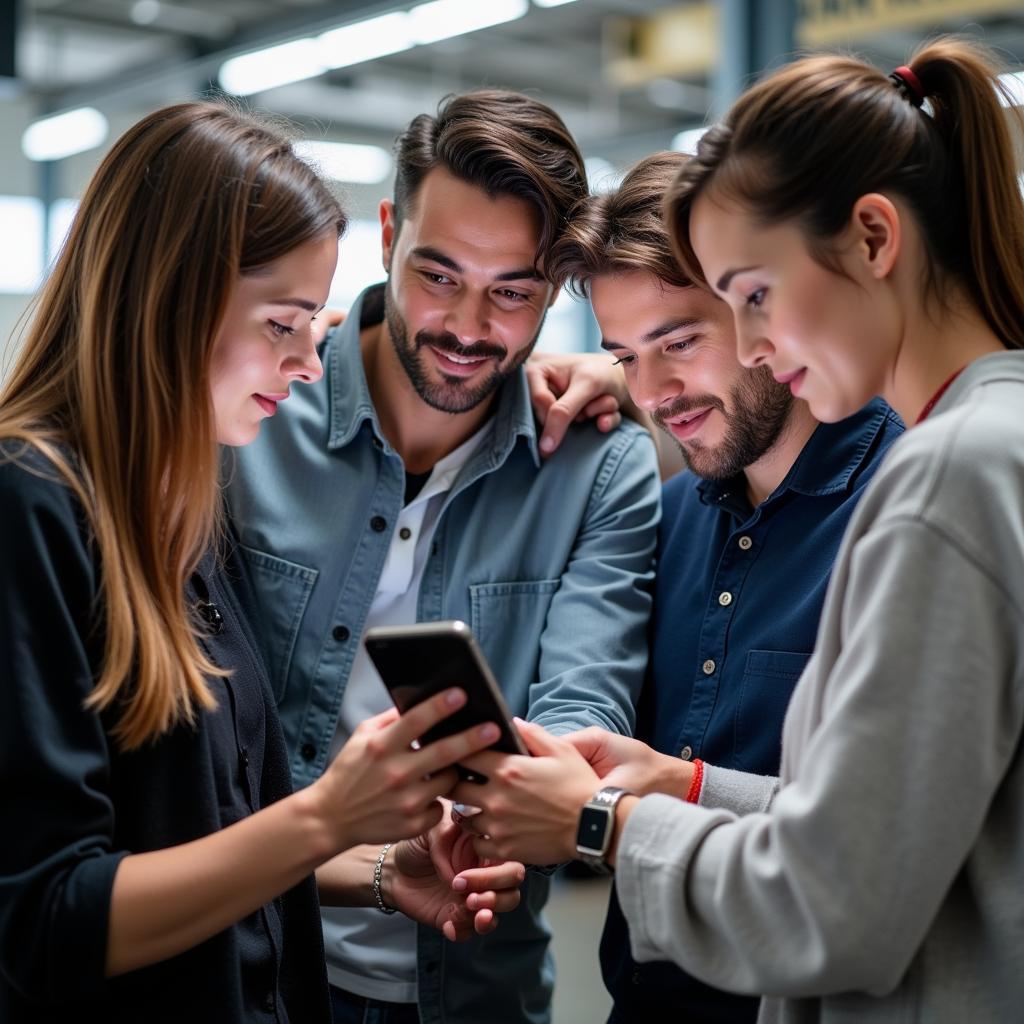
[282,590]
[507,620]
[769,678]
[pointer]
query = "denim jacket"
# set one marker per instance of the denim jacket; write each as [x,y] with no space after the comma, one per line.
[551,563]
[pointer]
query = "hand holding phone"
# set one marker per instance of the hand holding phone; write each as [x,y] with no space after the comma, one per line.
[418,661]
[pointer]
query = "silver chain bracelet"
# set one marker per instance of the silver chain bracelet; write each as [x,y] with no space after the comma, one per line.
[377,869]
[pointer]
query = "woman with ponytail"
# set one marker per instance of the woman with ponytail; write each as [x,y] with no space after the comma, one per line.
[155,864]
[868,232]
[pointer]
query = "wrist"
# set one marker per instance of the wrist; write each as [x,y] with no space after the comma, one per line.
[323,838]
[623,810]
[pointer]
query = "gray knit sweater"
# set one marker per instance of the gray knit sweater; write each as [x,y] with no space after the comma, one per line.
[885,881]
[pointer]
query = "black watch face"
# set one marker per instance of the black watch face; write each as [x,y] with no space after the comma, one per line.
[592,829]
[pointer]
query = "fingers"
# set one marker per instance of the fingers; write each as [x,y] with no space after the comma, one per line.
[504,875]
[453,749]
[601,406]
[424,716]
[559,416]
[589,742]
[538,740]
[609,422]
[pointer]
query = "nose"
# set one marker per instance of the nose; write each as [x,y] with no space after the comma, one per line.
[302,362]
[653,384]
[467,318]
[752,347]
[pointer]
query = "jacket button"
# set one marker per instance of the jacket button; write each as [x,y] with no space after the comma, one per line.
[244,757]
[686,753]
[745,543]
[308,751]
[708,667]
[378,524]
[269,1002]
[725,599]
[405,533]
[340,633]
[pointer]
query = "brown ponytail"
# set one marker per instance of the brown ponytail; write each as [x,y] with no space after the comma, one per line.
[811,139]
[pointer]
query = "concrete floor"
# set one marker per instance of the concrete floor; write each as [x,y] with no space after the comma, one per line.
[576,913]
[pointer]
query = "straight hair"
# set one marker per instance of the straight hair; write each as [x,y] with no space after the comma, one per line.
[807,142]
[112,384]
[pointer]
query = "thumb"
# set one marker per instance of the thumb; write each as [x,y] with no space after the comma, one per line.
[538,740]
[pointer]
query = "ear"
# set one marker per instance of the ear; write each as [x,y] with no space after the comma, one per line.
[877,233]
[386,213]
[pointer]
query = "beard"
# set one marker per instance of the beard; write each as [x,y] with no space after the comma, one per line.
[760,412]
[450,394]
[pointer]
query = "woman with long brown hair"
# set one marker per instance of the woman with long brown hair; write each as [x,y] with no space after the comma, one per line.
[155,863]
[868,232]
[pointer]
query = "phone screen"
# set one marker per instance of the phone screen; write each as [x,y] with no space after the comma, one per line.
[417,667]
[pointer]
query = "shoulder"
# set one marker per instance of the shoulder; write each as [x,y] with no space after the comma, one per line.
[29,479]
[625,456]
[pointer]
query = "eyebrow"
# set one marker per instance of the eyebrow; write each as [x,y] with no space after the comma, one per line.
[311,307]
[723,282]
[668,327]
[426,252]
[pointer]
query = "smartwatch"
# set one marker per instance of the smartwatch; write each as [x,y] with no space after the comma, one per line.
[597,823]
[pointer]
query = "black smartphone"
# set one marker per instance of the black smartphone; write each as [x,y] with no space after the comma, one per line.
[416,662]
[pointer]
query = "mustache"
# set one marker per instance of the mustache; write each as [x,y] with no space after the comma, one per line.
[684,404]
[447,342]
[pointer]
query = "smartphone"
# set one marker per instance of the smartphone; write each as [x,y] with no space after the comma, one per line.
[416,662]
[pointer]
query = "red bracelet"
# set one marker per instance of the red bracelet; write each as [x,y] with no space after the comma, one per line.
[693,793]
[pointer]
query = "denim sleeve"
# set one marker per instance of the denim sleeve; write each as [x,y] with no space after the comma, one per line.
[593,651]
[56,816]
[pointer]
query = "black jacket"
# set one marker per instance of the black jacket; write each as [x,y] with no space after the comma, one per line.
[73,805]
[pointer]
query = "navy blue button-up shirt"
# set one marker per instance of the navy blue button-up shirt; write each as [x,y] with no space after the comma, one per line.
[739,594]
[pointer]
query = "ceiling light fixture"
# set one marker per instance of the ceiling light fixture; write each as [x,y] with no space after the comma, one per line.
[53,138]
[444,19]
[346,161]
[269,68]
[365,40]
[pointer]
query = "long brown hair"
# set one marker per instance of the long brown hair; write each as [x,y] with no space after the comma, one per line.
[622,230]
[114,372]
[503,142]
[811,139]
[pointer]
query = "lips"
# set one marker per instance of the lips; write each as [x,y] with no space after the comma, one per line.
[458,366]
[686,425]
[268,402]
[794,379]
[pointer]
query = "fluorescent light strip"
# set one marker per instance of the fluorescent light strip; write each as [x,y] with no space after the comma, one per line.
[552,3]
[442,19]
[365,40]
[362,41]
[53,138]
[345,161]
[274,66]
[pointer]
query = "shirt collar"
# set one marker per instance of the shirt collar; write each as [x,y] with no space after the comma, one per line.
[828,463]
[351,404]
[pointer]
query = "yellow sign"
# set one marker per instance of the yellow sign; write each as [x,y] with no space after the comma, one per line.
[835,22]
[683,41]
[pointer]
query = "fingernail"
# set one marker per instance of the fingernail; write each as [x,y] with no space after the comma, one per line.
[489,732]
[453,698]
[460,884]
[547,444]
[518,720]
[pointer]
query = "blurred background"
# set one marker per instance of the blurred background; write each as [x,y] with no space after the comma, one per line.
[629,77]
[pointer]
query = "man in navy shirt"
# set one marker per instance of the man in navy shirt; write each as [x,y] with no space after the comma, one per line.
[746,543]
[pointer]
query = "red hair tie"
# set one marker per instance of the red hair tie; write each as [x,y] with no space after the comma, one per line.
[905,80]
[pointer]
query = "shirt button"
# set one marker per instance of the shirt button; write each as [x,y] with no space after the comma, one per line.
[377,443]
[340,633]
[405,533]
[725,598]
[708,667]
[269,1002]
[308,751]
[745,543]
[686,753]
[378,524]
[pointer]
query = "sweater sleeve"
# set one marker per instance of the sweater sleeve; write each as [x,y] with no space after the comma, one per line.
[915,716]
[56,860]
